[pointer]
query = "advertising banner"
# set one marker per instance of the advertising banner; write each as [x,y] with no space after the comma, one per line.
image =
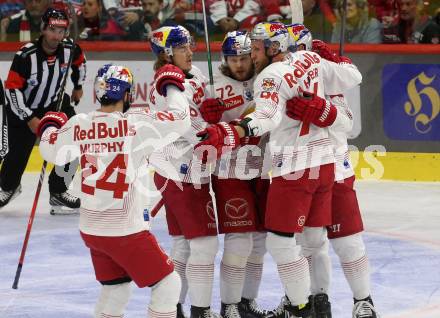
[411,101]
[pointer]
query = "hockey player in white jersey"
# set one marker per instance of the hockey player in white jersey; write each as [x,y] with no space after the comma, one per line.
[113,148]
[240,191]
[303,160]
[181,177]
[344,233]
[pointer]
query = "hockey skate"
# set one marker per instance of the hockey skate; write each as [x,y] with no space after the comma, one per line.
[64,203]
[180,313]
[322,306]
[304,311]
[249,308]
[230,311]
[280,311]
[364,309]
[7,196]
[203,312]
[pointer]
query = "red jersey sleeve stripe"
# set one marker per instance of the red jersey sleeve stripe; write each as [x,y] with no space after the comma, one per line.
[14,81]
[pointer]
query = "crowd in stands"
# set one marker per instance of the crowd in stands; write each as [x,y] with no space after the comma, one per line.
[367,21]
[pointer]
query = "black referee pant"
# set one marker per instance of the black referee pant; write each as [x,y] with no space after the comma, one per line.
[21,142]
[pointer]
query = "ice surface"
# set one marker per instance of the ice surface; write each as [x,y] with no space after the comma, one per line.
[402,238]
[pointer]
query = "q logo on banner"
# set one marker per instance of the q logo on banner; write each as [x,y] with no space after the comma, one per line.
[411,101]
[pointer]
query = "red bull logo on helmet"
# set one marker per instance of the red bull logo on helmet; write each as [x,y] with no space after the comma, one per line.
[276,27]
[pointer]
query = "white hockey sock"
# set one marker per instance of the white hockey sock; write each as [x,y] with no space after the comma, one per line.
[200,270]
[354,262]
[254,266]
[315,247]
[164,297]
[232,268]
[292,267]
[113,300]
[179,254]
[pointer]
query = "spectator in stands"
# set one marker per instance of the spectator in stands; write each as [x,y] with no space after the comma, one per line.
[437,16]
[26,24]
[154,13]
[97,24]
[244,13]
[189,14]
[10,7]
[360,28]
[413,25]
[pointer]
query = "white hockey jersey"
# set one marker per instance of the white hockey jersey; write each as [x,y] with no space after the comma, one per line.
[338,136]
[113,149]
[245,162]
[295,146]
[177,160]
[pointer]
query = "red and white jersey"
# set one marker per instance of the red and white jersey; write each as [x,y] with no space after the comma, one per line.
[338,136]
[177,160]
[113,149]
[295,146]
[245,162]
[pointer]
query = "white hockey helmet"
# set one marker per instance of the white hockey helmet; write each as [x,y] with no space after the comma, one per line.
[271,33]
[300,37]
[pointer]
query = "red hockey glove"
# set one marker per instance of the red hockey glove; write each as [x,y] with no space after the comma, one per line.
[51,119]
[345,59]
[212,110]
[324,51]
[169,75]
[222,136]
[312,109]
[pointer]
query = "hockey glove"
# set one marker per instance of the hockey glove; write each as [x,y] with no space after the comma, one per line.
[311,109]
[51,119]
[169,75]
[324,51]
[222,137]
[212,110]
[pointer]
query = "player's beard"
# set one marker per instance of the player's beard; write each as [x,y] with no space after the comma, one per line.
[261,65]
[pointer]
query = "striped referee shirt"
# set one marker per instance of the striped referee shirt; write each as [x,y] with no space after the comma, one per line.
[34,79]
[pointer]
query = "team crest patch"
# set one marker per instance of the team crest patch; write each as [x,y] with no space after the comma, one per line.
[268,84]
[63,68]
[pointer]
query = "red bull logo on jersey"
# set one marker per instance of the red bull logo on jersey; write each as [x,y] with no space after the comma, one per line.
[102,131]
[268,84]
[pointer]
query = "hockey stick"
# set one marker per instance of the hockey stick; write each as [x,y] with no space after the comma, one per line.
[343,22]
[4,146]
[42,174]
[157,208]
[297,11]
[211,86]
[208,52]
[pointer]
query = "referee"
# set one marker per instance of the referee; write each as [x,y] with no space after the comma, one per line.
[32,87]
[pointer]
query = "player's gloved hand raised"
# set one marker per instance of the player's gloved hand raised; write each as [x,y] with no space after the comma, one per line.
[324,51]
[51,119]
[169,75]
[212,110]
[310,108]
[222,137]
